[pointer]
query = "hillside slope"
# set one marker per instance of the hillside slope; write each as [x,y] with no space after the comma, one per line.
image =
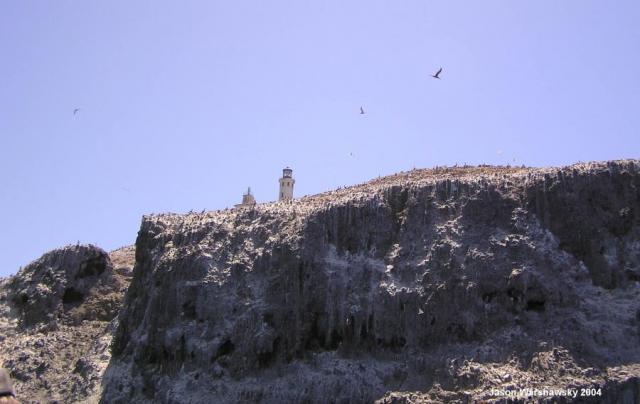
[57,319]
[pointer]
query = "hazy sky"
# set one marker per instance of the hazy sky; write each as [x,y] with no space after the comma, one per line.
[184,104]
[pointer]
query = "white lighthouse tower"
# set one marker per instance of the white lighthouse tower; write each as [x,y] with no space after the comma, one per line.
[286,185]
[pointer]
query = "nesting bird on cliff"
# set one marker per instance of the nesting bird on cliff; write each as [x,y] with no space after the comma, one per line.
[437,75]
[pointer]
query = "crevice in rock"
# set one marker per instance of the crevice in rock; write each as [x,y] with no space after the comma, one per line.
[225,349]
[72,296]
[536,305]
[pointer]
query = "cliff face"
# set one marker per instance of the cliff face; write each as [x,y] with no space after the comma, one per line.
[445,283]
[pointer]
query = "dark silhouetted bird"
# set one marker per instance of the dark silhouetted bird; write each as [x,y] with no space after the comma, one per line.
[361,111]
[75,111]
[437,75]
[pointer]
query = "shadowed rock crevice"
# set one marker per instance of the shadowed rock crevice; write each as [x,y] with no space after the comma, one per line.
[72,296]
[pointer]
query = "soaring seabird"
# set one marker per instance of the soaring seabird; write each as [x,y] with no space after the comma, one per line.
[437,74]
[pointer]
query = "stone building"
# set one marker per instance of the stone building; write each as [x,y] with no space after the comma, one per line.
[286,185]
[247,199]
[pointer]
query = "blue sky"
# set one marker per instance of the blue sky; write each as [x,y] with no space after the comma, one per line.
[185,104]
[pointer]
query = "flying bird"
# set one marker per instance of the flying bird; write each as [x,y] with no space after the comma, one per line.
[361,111]
[437,74]
[75,111]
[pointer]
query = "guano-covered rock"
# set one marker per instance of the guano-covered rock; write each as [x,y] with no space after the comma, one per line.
[437,285]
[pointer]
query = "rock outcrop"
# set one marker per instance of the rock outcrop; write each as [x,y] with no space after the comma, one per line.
[433,285]
[57,318]
[62,283]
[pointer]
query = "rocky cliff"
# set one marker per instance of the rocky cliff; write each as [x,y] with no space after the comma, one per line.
[441,285]
[57,318]
[431,285]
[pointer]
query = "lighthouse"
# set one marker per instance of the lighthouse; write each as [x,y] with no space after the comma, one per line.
[286,185]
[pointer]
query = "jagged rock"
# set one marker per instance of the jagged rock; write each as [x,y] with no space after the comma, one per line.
[62,284]
[56,346]
[427,285]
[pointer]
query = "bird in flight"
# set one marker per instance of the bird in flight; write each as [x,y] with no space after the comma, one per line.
[437,74]
[75,111]
[361,111]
